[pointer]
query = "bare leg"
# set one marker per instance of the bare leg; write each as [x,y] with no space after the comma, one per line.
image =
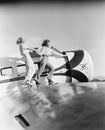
[41,67]
[50,75]
[30,69]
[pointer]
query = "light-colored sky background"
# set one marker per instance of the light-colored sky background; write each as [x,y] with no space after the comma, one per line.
[69,26]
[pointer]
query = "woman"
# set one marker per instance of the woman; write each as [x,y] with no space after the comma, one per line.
[30,67]
[46,51]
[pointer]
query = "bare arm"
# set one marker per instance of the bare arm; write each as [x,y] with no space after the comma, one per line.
[38,51]
[30,49]
[34,50]
[57,55]
[25,47]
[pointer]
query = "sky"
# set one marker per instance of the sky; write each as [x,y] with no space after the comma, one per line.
[69,26]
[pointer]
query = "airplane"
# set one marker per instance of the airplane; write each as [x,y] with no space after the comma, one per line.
[16,107]
[77,66]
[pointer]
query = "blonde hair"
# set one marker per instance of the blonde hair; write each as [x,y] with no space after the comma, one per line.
[46,43]
[20,40]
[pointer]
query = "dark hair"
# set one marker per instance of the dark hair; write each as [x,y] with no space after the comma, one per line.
[19,40]
[46,42]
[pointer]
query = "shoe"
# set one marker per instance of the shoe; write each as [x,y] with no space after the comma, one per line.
[29,84]
[50,81]
[37,81]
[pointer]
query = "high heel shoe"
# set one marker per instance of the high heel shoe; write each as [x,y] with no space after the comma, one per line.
[28,83]
[50,81]
[37,81]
